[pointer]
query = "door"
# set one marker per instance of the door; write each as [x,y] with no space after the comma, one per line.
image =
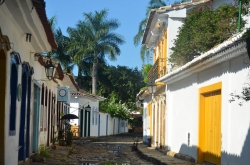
[209,149]
[87,123]
[23,117]
[36,117]
[212,127]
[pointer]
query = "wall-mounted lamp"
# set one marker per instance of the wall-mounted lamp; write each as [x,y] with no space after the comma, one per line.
[50,69]
[36,56]
[152,89]
[88,108]
[139,103]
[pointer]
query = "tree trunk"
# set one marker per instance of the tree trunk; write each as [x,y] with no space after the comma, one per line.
[79,76]
[94,78]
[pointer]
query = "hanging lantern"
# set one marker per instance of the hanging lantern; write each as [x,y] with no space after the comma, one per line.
[50,70]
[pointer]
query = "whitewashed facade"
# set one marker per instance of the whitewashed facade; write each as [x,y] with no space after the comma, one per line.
[23,33]
[224,69]
[227,66]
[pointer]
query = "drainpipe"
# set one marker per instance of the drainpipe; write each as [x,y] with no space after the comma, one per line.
[239,19]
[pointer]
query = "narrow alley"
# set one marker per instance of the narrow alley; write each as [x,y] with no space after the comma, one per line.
[106,150]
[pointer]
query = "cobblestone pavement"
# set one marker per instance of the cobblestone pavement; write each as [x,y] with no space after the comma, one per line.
[97,150]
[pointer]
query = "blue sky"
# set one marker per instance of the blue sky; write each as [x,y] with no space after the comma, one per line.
[128,12]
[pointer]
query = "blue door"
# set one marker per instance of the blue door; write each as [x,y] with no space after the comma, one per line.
[23,124]
[36,118]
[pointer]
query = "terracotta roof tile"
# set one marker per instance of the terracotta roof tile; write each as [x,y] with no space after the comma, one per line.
[40,8]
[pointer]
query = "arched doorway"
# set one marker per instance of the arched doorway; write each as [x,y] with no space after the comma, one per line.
[4,42]
[24,133]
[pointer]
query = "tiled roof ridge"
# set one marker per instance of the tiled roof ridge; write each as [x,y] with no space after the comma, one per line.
[79,90]
[180,6]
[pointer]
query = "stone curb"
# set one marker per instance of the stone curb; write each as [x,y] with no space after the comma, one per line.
[152,159]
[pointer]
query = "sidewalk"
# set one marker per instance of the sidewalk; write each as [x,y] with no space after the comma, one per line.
[159,158]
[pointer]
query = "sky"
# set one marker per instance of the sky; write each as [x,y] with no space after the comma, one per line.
[128,12]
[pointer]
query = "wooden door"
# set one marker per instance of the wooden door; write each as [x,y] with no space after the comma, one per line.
[212,105]
[209,148]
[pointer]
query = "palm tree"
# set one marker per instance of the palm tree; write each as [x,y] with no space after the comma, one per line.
[101,40]
[153,4]
[61,54]
[78,47]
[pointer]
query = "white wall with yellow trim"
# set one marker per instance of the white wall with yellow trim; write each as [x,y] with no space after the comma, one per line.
[182,126]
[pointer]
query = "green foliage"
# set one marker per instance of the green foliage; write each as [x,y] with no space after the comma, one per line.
[145,70]
[243,97]
[120,82]
[119,110]
[43,152]
[119,85]
[204,28]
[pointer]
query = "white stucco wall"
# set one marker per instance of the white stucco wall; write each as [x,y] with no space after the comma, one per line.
[12,141]
[23,48]
[183,111]
[173,30]
[110,125]
[146,130]
[103,122]
[123,126]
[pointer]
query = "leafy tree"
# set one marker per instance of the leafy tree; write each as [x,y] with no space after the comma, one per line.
[61,54]
[119,85]
[124,82]
[101,40]
[203,28]
[145,70]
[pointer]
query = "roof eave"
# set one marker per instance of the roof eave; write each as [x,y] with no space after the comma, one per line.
[40,9]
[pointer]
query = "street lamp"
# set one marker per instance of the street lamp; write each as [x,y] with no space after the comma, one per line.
[88,108]
[139,103]
[49,70]
[152,89]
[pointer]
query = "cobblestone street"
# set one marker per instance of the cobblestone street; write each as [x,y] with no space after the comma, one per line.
[97,150]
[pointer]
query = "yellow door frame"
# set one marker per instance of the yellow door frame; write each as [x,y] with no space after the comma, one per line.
[201,124]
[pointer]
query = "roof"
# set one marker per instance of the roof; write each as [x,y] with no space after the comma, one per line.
[40,9]
[217,55]
[166,9]
[81,92]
